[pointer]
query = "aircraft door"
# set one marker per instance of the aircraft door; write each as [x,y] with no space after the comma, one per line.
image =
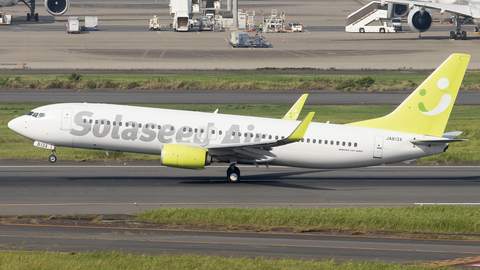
[66,119]
[378,147]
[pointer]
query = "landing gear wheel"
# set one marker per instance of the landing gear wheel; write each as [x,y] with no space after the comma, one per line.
[36,17]
[361,30]
[464,35]
[28,17]
[233,174]
[52,158]
[453,35]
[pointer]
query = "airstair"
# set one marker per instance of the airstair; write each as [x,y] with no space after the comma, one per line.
[363,17]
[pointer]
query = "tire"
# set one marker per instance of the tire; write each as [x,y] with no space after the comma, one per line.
[361,30]
[36,17]
[233,176]
[382,30]
[453,35]
[464,35]
[52,159]
[28,17]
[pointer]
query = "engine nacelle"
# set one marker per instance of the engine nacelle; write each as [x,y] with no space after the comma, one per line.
[397,10]
[184,156]
[8,3]
[57,7]
[420,20]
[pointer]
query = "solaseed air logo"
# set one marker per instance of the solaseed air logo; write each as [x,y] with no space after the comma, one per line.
[444,101]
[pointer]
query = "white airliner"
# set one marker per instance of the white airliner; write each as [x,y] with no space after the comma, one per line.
[191,140]
[420,17]
[54,7]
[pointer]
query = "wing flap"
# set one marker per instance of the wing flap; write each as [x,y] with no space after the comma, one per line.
[436,142]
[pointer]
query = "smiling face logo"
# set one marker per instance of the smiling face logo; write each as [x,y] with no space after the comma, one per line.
[444,101]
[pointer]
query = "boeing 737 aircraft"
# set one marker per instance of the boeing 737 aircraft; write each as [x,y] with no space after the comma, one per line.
[192,140]
[420,18]
[54,7]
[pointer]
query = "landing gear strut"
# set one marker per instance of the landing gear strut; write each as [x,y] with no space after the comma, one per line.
[233,174]
[53,157]
[31,5]
[458,33]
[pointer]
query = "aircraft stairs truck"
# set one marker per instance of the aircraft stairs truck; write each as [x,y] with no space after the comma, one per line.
[181,11]
[370,18]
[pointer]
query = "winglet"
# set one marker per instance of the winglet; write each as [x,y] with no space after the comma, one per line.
[294,112]
[299,132]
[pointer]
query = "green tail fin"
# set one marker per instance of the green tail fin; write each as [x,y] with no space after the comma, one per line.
[294,112]
[427,109]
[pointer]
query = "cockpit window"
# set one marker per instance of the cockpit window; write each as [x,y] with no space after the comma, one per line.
[29,113]
[35,114]
[41,115]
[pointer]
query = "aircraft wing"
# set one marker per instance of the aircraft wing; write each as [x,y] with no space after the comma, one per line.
[441,141]
[464,10]
[260,150]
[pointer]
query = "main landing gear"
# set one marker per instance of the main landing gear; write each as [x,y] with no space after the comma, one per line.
[53,157]
[233,174]
[31,5]
[458,33]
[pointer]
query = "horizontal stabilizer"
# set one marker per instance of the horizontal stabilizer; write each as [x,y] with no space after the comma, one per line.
[431,142]
[452,134]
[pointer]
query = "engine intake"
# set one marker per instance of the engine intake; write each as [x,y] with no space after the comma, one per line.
[397,10]
[184,156]
[420,20]
[57,7]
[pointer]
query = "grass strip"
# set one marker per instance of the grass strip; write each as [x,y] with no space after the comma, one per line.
[427,219]
[118,260]
[463,118]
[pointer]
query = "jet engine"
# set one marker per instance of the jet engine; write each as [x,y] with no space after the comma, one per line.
[397,10]
[184,156]
[57,7]
[420,20]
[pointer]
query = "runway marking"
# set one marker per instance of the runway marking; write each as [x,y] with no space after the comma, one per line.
[230,232]
[221,166]
[199,203]
[243,244]
[453,262]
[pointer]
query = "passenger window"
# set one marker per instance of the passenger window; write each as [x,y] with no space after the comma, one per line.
[257,136]
[308,140]
[159,127]
[233,133]
[251,135]
[184,129]
[126,124]
[331,142]
[139,125]
[314,141]
[276,137]
[133,124]
[114,123]
[90,121]
[201,130]
[269,137]
[338,143]
[190,130]
[84,120]
[172,128]
[343,143]
[326,142]
[220,132]
[108,123]
[283,137]
[103,122]
[300,140]
[146,126]
[355,145]
[213,131]
[349,144]
[96,122]
[263,136]
[119,124]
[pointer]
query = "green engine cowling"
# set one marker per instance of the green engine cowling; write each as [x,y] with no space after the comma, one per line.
[184,156]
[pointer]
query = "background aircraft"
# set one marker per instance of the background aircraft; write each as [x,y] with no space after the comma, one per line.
[54,7]
[420,17]
[192,140]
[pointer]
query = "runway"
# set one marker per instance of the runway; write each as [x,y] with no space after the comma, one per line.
[268,245]
[39,188]
[113,189]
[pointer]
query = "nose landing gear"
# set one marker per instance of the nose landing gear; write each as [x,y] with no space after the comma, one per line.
[53,157]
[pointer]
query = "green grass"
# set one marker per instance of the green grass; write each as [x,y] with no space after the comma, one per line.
[463,118]
[424,219]
[118,260]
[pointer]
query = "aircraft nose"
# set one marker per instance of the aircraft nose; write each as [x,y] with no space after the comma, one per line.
[15,125]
